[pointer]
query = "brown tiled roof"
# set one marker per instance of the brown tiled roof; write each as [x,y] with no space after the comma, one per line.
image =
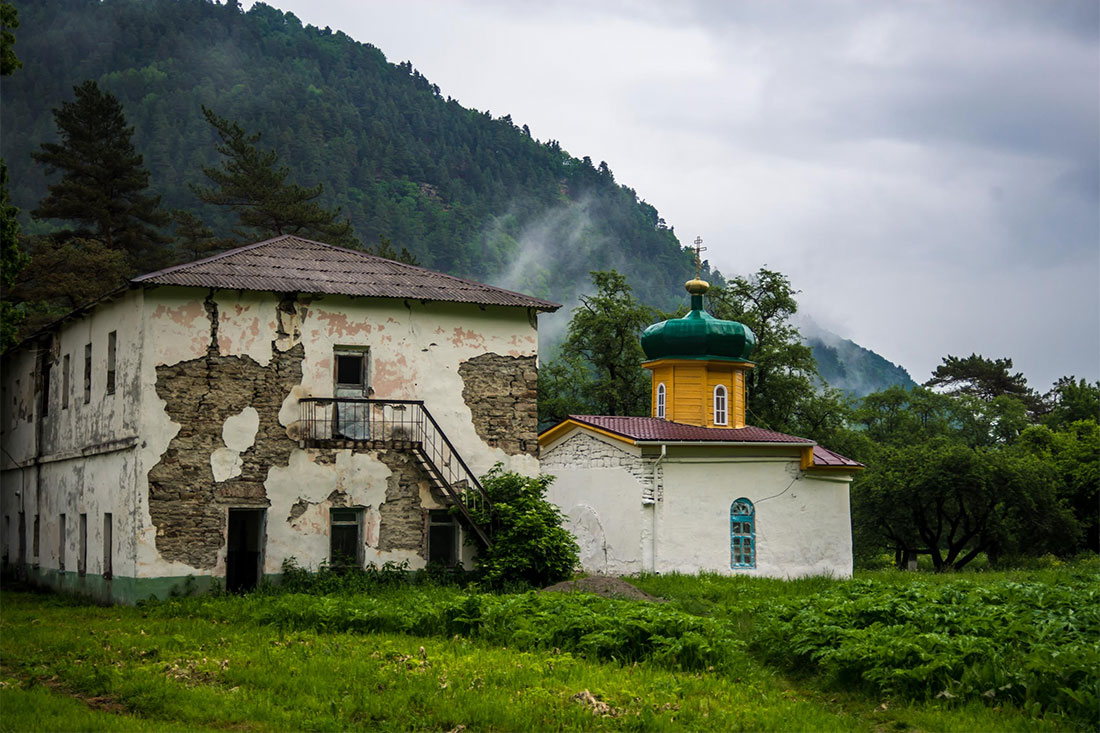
[290,264]
[825,458]
[656,429]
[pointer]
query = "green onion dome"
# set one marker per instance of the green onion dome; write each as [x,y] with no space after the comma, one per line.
[698,335]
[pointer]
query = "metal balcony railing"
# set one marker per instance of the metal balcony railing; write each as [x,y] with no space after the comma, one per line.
[397,425]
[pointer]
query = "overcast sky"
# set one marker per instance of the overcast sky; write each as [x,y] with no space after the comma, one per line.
[927,174]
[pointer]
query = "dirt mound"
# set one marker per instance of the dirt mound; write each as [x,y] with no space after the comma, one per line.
[603,585]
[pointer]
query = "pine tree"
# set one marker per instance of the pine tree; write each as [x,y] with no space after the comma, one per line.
[103,184]
[195,240]
[251,183]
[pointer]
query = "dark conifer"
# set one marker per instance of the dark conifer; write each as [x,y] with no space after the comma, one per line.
[251,183]
[103,184]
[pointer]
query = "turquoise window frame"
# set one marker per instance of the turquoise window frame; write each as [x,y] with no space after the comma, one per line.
[742,534]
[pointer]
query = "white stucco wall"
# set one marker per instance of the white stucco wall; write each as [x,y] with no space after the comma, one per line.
[803,524]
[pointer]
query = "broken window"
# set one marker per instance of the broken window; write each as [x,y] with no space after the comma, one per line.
[47,367]
[82,558]
[65,383]
[345,533]
[742,534]
[112,344]
[661,400]
[108,550]
[351,416]
[61,543]
[720,412]
[87,373]
[442,538]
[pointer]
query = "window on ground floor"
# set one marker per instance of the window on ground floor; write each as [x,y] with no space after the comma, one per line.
[345,537]
[742,534]
[443,537]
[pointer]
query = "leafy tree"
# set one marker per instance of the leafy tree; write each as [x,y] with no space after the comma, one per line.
[785,391]
[252,184]
[530,546]
[955,502]
[564,387]
[103,184]
[1074,453]
[605,335]
[64,274]
[1071,400]
[983,378]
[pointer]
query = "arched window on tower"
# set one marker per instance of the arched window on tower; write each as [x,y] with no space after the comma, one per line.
[742,534]
[661,400]
[721,414]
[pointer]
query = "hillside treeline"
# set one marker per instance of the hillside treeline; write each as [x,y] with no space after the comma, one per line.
[465,192]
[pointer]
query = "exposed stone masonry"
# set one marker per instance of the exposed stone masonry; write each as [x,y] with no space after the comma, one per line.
[581,450]
[186,505]
[502,394]
[401,525]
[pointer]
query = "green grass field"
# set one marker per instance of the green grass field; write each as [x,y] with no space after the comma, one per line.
[718,656]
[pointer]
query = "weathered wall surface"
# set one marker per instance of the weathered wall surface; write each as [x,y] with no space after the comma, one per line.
[502,394]
[78,456]
[605,487]
[228,370]
[600,485]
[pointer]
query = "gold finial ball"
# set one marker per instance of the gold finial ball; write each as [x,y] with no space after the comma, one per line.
[697,286]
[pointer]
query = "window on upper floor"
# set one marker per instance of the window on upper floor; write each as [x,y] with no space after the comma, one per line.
[87,373]
[721,408]
[661,395]
[65,382]
[742,534]
[47,367]
[112,345]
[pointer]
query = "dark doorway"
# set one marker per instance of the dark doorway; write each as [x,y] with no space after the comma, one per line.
[442,538]
[244,557]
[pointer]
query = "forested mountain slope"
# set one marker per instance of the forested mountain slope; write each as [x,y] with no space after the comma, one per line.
[853,369]
[465,192]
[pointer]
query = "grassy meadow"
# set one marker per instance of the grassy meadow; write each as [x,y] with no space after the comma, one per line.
[884,651]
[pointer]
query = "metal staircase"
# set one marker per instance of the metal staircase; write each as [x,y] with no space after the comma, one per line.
[407,425]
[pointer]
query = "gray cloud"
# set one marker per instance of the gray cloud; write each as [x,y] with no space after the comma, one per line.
[927,173]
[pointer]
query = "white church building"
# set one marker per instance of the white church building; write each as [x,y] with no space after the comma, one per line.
[692,487]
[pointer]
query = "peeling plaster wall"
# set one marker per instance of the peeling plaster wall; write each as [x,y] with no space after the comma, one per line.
[197,414]
[803,525]
[80,458]
[203,419]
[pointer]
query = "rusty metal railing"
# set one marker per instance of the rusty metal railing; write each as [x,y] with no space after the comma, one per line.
[399,425]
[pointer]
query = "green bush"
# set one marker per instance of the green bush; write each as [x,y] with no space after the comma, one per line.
[530,547]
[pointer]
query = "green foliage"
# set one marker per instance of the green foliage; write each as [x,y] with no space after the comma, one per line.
[103,182]
[9,21]
[983,378]
[530,547]
[1032,644]
[194,240]
[385,248]
[1071,400]
[462,190]
[331,579]
[1073,453]
[955,502]
[252,185]
[600,370]
[12,261]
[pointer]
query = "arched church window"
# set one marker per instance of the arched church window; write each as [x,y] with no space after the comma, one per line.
[661,400]
[742,534]
[720,411]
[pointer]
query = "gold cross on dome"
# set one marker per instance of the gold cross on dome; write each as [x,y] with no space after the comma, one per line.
[699,248]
